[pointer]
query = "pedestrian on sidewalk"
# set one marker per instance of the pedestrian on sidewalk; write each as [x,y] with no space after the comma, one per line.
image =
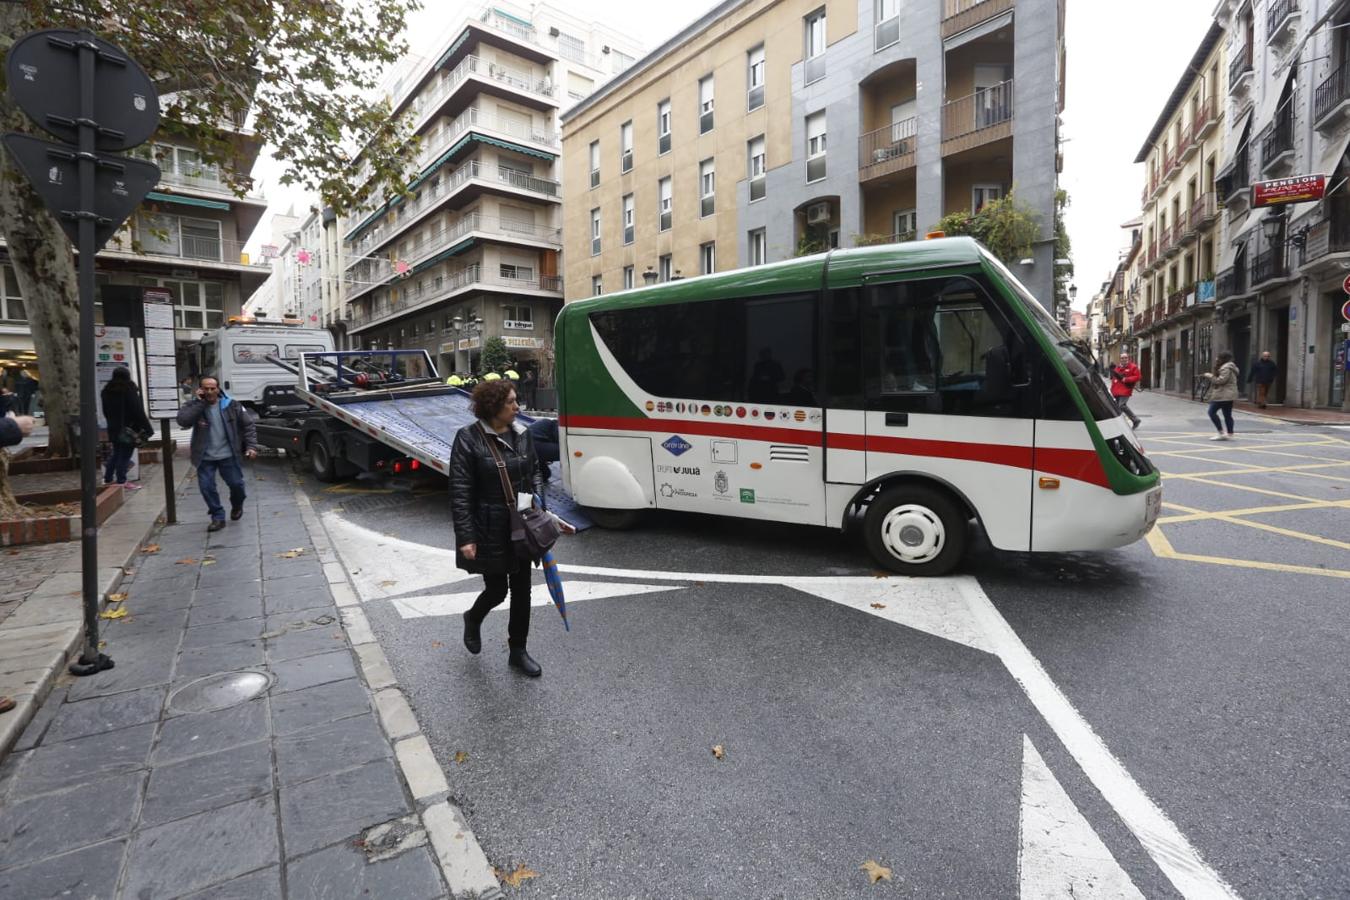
[1223,391]
[482,519]
[1124,377]
[1263,375]
[124,412]
[223,434]
[13,429]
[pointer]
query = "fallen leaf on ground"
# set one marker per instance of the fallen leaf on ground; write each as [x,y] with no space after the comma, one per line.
[102,645]
[186,561]
[437,644]
[116,598]
[881,574]
[513,879]
[461,757]
[388,583]
[113,613]
[150,548]
[875,871]
[718,752]
[208,560]
[291,554]
[878,605]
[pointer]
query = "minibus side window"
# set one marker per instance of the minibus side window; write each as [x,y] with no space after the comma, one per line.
[843,349]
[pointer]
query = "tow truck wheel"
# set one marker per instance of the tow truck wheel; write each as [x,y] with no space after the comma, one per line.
[613,519]
[321,460]
[916,530]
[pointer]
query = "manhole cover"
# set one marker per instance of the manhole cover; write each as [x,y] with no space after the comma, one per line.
[218,691]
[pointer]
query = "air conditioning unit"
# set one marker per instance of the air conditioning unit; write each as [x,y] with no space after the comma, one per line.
[553,32]
[605,49]
[817,213]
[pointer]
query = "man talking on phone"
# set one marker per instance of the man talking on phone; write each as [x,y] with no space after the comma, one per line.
[223,434]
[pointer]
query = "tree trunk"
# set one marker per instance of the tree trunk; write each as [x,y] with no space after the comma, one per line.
[45,266]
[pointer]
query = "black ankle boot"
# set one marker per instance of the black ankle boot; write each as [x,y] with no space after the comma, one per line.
[473,641]
[524,662]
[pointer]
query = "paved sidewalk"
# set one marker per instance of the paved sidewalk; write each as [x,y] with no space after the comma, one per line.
[1294,415]
[118,790]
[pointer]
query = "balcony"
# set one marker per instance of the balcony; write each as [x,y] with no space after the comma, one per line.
[471,277]
[1203,211]
[1206,121]
[475,119]
[1329,240]
[1235,181]
[1152,257]
[1277,145]
[148,243]
[1231,283]
[887,150]
[1137,323]
[1240,72]
[977,119]
[1268,266]
[1176,302]
[1186,229]
[959,15]
[1331,100]
[1281,22]
[205,180]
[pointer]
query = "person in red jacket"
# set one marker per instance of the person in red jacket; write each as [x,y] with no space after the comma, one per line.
[1124,377]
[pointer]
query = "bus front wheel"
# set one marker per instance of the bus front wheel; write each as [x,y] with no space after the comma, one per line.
[613,519]
[916,530]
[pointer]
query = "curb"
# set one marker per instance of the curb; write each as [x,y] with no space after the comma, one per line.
[463,864]
[65,636]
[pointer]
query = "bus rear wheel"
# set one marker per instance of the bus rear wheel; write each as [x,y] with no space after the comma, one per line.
[916,530]
[613,519]
[321,461]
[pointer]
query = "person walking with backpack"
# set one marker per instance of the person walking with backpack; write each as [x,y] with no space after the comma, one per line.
[124,412]
[1222,394]
[1124,377]
[1263,375]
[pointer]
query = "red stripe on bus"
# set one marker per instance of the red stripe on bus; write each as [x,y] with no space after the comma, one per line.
[1080,465]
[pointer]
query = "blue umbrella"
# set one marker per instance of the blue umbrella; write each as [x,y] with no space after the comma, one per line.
[555,588]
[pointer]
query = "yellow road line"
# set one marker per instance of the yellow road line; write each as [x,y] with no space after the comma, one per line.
[1228,447]
[1254,468]
[1248,488]
[1195,515]
[1199,515]
[1163,549]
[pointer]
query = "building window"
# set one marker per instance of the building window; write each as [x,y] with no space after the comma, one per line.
[595,231]
[754,78]
[707,258]
[198,305]
[597,287]
[595,164]
[663,191]
[707,185]
[904,223]
[11,300]
[572,48]
[627,278]
[621,60]
[512,272]
[755,167]
[815,146]
[663,266]
[520,318]
[981,194]
[627,219]
[626,147]
[705,104]
[888,23]
[663,127]
[759,247]
[815,46]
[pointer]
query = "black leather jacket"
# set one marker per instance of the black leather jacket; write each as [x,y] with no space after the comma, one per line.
[478,507]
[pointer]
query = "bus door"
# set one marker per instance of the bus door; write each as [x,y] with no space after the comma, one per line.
[947,397]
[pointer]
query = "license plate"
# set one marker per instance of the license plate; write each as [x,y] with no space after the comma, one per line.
[1152,507]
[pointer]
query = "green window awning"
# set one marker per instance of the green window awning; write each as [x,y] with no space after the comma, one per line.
[187,201]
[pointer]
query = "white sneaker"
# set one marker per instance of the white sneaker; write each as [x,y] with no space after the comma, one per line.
[1219,437]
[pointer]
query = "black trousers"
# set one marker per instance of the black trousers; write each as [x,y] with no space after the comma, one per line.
[494,592]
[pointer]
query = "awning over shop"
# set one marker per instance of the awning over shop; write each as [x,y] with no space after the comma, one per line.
[188,201]
[1254,218]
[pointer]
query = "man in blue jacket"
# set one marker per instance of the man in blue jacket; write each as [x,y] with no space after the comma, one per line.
[222,434]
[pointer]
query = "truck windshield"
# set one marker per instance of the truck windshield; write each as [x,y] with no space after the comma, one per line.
[1074,354]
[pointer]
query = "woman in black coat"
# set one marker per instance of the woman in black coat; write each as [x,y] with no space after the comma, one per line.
[122,408]
[481,517]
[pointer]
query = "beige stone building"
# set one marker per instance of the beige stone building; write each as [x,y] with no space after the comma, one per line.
[769,128]
[1182,156]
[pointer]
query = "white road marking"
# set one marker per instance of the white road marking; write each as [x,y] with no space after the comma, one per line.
[929,605]
[1061,856]
[575,591]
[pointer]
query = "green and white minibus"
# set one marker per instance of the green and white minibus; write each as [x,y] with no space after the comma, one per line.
[918,384]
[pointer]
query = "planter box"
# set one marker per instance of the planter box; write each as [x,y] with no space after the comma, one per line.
[29,461]
[53,529]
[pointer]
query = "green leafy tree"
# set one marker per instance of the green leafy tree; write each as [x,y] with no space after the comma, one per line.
[495,355]
[815,239]
[1005,226]
[307,70]
[1063,250]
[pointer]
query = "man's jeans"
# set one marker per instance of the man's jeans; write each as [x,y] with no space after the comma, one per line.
[206,482]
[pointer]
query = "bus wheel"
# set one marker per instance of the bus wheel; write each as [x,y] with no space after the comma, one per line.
[321,460]
[613,519]
[916,530]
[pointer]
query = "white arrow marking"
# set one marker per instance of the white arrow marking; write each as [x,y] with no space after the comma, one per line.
[1061,856]
[575,591]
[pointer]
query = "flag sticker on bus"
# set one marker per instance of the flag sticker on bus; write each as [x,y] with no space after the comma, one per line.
[676,444]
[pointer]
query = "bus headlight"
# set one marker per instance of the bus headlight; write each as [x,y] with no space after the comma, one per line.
[1134,462]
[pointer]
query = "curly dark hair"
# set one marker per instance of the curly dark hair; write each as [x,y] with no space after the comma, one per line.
[490,396]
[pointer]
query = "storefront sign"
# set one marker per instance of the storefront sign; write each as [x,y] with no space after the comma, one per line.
[1299,189]
[468,343]
[524,343]
[113,349]
[448,347]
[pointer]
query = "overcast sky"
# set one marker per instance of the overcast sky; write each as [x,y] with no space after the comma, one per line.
[1123,61]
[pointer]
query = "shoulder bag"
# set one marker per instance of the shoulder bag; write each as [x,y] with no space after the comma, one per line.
[533,531]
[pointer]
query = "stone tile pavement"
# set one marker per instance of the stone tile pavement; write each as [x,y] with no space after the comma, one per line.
[318,786]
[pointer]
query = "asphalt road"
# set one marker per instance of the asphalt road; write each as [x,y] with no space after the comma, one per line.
[1162,720]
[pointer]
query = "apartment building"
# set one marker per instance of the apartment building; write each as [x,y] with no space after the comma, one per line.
[1182,155]
[1118,298]
[771,128]
[1281,269]
[188,237]
[472,251]
[306,279]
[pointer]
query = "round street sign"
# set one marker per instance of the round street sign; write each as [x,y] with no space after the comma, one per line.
[1345,285]
[1345,311]
[44,80]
